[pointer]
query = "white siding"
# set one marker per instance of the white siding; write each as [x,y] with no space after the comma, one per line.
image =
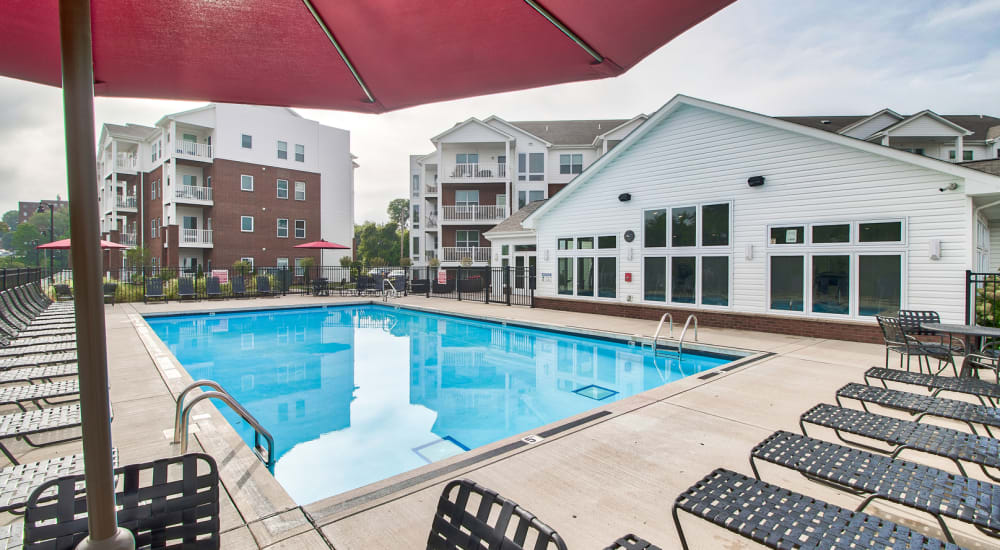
[924,126]
[589,156]
[870,127]
[698,156]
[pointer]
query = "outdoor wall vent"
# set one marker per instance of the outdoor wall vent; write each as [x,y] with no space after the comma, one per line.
[755,181]
[625,197]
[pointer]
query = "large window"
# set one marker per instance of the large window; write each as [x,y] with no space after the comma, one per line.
[607,277]
[585,276]
[525,197]
[283,228]
[283,154]
[246,224]
[831,284]
[715,224]
[415,219]
[594,268]
[464,197]
[787,283]
[466,238]
[300,229]
[282,189]
[879,284]
[571,164]
[655,228]
[565,276]
[876,232]
[682,279]
[246,183]
[654,277]
[189,180]
[531,166]
[683,226]
[715,280]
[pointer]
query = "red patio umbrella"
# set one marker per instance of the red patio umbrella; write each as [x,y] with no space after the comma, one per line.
[64,244]
[324,245]
[370,56]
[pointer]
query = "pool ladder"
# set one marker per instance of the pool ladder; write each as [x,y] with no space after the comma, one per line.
[680,343]
[182,416]
[391,293]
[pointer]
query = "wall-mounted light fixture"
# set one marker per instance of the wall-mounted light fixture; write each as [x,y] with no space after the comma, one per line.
[934,249]
[546,254]
[625,197]
[748,253]
[755,181]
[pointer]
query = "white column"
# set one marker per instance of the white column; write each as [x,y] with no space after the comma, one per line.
[114,185]
[510,201]
[885,140]
[959,144]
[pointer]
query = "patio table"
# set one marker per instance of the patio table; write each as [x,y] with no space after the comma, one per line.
[968,332]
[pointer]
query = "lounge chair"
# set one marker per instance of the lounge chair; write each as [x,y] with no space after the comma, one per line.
[33,294]
[899,342]
[43,374]
[495,518]
[930,490]
[264,286]
[905,435]
[13,306]
[185,288]
[23,424]
[18,482]
[36,393]
[399,283]
[35,349]
[63,292]
[170,503]
[24,328]
[937,384]
[778,518]
[37,359]
[154,290]
[212,287]
[923,405]
[238,287]
[10,336]
[109,292]
[363,284]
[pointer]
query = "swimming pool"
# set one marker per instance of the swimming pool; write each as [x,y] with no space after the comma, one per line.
[356,394]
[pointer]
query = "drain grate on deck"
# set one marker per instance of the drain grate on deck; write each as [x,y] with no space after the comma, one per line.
[595,392]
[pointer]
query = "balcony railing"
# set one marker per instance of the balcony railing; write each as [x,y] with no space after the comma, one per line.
[430,189]
[193,192]
[125,201]
[458,253]
[126,162]
[192,149]
[430,254]
[127,239]
[195,236]
[479,171]
[475,213]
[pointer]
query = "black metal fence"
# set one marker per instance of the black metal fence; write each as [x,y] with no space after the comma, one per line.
[501,285]
[982,298]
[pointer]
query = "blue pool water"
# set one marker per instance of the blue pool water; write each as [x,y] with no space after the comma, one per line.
[353,395]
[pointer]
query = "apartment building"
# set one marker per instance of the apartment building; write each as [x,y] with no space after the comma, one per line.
[27,209]
[226,182]
[482,171]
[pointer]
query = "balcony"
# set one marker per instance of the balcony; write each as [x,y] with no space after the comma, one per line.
[194,151]
[478,254]
[474,213]
[430,255]
[477,172]
[128,239]
[195,194]
[431,189]
[126,202]
[196,238]
[126,164]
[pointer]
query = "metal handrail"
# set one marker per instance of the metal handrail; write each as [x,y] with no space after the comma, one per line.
[680,343]
[656,335]
[182,416]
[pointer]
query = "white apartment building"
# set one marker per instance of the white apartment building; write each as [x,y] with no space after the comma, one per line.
[482,171]
[226,182]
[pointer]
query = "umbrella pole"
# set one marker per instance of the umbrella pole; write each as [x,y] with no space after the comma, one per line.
[81,166]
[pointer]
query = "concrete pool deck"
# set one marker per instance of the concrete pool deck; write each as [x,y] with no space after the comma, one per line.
[592,483]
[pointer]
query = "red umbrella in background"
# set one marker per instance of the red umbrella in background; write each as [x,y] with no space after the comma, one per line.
[323,245]
[370,56]
[64,244]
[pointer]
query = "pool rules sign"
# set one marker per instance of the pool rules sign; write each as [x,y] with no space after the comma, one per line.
[442,277]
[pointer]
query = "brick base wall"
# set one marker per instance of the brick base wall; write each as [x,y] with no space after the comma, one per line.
[838,330]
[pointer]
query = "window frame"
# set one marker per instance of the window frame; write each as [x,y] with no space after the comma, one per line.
[252,222]
[300,156]
[478,241]
[279,150]
[297,190]
[572,168]
[699,246]
[245,139]
[575,253]
[855,236]
[278,228]
[297,229]
[242,180]
[277,186]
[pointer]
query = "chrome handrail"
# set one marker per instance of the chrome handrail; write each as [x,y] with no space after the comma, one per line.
[182,417]
[680,343]
[656,335]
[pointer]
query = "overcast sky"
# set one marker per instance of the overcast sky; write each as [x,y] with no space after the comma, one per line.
[776,57]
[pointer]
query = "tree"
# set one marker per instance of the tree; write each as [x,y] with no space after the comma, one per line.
[21,239]
[10,218]
[346,261]
[378,241]
[139,257]
[399,212]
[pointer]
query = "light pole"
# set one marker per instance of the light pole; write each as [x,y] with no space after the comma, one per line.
[52,234]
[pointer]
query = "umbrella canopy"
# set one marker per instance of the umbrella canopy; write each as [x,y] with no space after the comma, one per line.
[322,244]
[64,244]
[371,56]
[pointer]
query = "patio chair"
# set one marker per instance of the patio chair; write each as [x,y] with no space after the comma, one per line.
[632,542]
[63,292]
[399,283]
[320,287]
[43,374]
[494,519]
[923,405]
[18,482]
[986,358]
[378,284]
[171,503]
[904,435]
[364,282]
[930,490]
[20,425]
[110,289]
[778,518]
[37,359]
[154,290]
[37,393]
[896,340]
[937,384]
[911,319]
[238,287]
[419,286]
[264,286]
[212,287]
[185,288]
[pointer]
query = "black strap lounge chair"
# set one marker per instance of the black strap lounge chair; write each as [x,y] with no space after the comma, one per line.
[37,359]
[26,330]
[37,393]
[18,482]
[897,341]
[37,295]
[778,518]
[43,374]
[154,290]
[110,289]
[185,288]
[364,281]
[493,520]
[905,435]
[34,349]
[632,542]
[923,405]
[171,503]
[264,286]
[63,292]
[212,287]
[23,424]
[32,318]
[238,287]
[10,337]
[930,490]
[988,393]
[24,295]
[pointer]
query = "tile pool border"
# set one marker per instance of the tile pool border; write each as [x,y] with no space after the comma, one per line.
[252,480]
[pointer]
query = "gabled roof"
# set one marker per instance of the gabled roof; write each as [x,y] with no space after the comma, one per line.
[466,122]
[921,114]
[641,116]
[130,131]
[886,111]
[569,132]
[984,183]
[494,118]
[513,222]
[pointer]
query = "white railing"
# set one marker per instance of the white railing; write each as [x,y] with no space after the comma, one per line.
[457,253]
[196,236]
[193,192]
[479,170]
[193,149]
[125,201]
[127,239]
[430,254]
[475,212]
[430,189]
[126,162]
